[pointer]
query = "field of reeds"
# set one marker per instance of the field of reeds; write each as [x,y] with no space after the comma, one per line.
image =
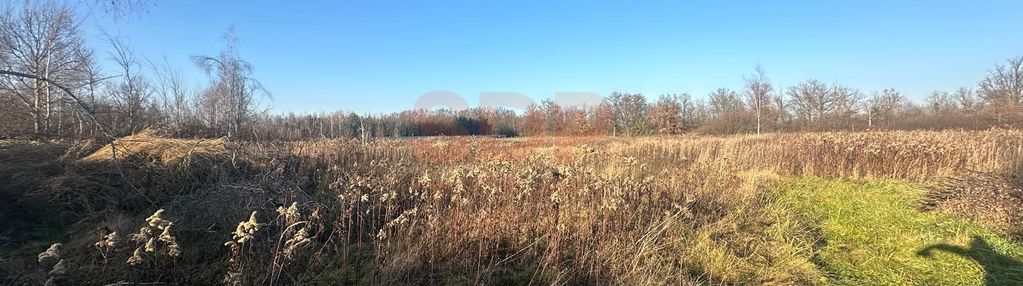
[918,208]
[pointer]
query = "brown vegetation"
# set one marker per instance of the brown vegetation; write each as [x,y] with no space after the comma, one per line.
[653,210]
[993,200]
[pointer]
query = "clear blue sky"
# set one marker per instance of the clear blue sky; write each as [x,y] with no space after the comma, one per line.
[379,56]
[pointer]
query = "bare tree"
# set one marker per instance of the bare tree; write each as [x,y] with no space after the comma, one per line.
[884,106]
[758,93]
[811,100]
[690,116]
[967,100]
[725,102]
[701,111]
[120,8]
[871,107]
[133,90]
[846,104]
[41,39]
[628,112]
[633,110]
[231,98]
[939,102]
[174,96]
[781,110]
[727,112]
[615,102]
[1002,89]
[893,103]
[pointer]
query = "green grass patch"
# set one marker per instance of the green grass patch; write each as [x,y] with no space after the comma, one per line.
[874,234]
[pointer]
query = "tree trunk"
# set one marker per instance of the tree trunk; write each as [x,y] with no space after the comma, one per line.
[36,109]
[758,121]
[46,90]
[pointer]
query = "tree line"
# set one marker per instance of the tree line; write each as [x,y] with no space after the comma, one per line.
[52,86]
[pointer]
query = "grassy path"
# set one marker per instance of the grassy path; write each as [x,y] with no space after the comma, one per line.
[874,235]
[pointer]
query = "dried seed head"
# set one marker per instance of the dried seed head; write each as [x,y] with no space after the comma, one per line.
[136,257]
[108,241]
[290,213]
[246,230]
[51,255]
[151,245]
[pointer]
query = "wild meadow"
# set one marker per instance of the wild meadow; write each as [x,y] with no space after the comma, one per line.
[432,143]
[869,208]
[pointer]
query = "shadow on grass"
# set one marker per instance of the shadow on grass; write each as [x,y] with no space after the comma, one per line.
[999,269]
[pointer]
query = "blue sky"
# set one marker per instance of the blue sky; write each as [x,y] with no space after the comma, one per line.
[379,56]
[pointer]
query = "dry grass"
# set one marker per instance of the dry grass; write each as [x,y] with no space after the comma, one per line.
[164,151]
[908,155]
[993,200]
[652,210]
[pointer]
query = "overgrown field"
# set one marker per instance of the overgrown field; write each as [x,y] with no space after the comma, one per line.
[876,208]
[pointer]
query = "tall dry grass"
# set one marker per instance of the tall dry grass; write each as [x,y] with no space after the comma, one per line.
[908,155]
[589,210]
